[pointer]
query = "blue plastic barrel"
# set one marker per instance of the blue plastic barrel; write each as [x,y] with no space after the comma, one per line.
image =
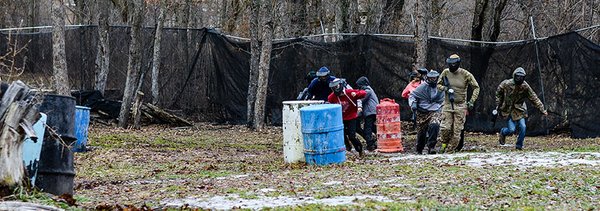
[33,148]
[82,121]
[323,134]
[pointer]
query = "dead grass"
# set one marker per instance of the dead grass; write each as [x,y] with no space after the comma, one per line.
[157,163]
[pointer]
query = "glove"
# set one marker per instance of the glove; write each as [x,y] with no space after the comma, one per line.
[470,106]
[413,107]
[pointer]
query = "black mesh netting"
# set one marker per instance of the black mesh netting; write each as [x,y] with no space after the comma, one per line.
[205,74]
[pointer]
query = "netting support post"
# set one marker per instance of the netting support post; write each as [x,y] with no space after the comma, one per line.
[539,69]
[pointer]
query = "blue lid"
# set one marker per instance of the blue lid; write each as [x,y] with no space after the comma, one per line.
[320,107]
[82,107]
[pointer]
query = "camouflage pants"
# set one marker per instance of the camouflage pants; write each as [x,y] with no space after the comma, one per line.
[452,124]
[428,126]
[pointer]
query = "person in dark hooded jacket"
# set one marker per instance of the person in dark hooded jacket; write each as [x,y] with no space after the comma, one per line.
[318,89]
[367,113]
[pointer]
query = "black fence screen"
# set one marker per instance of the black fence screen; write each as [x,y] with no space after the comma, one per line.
[205,74]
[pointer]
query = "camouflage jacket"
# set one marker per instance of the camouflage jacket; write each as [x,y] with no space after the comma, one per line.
[510,99]
[459,81]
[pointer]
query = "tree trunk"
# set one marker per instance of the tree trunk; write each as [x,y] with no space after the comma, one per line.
[254,60]
[156,53]
[486,20]
[134,62]
[392,13]
[103,54]
[298,18]
[421,32]
[59,60]
[266,12]
[436,17]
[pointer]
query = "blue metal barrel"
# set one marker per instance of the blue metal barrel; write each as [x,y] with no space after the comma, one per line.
[32,148]
[323,134]
[82,121]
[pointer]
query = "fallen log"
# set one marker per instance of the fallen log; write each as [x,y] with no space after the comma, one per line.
[162,115]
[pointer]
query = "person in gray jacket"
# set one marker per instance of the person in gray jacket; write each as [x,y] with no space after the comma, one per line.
[427,102]
[368,113]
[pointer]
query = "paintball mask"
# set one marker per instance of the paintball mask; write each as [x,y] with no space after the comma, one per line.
[323,74]
[432,78]
[337,86]
[519,76]
[453,62]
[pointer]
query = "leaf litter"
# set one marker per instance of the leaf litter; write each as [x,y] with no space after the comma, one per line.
[228,166]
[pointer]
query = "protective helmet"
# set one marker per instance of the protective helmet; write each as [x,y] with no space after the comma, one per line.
[453,62]
[337,85]
[412,76]
[432,78]
[519,75]
[323,71]
[423,71]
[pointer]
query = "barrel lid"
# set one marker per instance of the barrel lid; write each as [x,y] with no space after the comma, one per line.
[303,101]
[82,107]
[320,107]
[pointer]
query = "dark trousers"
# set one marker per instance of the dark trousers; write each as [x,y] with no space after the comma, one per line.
[350,132]
[367,131]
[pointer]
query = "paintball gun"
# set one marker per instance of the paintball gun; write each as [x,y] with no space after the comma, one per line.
[303,95]
[450,91]
[494,116]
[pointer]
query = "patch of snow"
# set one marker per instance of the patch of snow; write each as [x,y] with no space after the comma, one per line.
[527,159]
[330,183]
[234,201]
[266,190]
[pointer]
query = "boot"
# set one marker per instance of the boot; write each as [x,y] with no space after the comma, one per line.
[501,138]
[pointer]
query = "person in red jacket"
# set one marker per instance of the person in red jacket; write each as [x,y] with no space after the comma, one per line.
[347,98]
[415,81]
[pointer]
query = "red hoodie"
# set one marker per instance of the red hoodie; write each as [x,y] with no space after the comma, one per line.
[348,102]
[409,88]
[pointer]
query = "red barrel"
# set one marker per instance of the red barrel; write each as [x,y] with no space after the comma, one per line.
[389,130]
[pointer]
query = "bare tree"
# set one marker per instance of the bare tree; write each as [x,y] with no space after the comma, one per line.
[156,52]
[103,54]
[134,62]
[266,13]
[421,32]
[392,13]
[486,19]
[254,60]
[297,11]
[59,60]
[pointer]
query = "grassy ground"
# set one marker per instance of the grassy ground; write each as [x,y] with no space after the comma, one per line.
[156,165]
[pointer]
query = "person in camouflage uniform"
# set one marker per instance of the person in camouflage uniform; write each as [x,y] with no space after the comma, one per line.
[455,104]
[427,102]
[510,102]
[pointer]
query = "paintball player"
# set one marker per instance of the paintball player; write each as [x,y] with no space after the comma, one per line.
[427,102]
[415,81]
[348,99]
[510,100]
[367,113]
[318,89]
[454,81]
